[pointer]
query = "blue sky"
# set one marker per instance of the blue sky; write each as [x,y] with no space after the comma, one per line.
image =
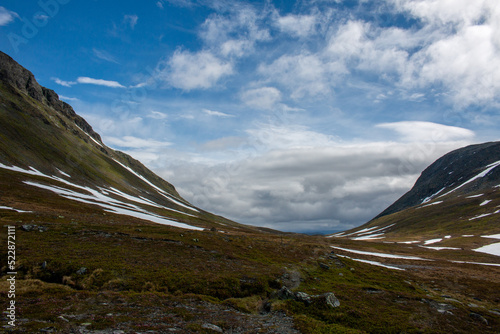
[301,116]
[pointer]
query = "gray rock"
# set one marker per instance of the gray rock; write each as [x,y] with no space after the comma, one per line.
[284,293]
[324,266]
[303,297]
[81,271]
[327,299]
[479,318]
[28,227]
[212,327]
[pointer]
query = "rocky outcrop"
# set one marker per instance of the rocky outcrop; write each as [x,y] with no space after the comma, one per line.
[324,300]
[17,76]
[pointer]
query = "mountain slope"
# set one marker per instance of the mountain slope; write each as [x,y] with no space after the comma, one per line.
[102,245]
[457,194]
[54,149]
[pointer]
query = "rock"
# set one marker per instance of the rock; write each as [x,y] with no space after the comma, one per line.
[212,327]
[479,318]
[303,297]
[28,227]
[324,266]
[327,299]
[81,271]
[284,293]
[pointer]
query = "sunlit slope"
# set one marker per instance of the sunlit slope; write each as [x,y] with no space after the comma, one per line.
[54,150]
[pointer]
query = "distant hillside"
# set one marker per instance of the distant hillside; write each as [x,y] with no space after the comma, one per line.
[459,193]
[454,173]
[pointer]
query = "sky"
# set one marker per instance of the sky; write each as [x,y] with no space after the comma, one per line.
[304,116]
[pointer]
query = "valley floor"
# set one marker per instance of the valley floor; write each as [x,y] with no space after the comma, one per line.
[86,272]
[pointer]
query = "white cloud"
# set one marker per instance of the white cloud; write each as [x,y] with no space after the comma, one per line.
[130,20]
[66,98]
[63,83]
[99,82]
[297,25]
[157,115]
[413,131]
[216,113]
[304,74]
[200,70]
[6,16]
[261,98]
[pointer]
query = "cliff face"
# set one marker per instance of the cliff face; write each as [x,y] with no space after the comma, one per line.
[17,76]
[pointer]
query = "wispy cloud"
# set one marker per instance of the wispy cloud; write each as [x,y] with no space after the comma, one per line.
[131,20]
[66,98]
[216,113]
[413,131]
[104,55]
[99,82]
[6,16]
[64,83]
[135,142]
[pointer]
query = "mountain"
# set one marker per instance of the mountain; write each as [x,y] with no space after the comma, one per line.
[92,241]
[44,144]
[457,194]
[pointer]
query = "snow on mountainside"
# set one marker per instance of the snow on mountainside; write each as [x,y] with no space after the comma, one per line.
[44,144]
[454,204]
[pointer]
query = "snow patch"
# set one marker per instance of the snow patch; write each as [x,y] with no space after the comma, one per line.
[485,202]
[485,172]
[110,204]
[428,199]
[17,210]
[440,248]
[493,249]
[474,196]
[484,264]
[493,236]
[390,256]
[375,263]
[434,203]
[433,241]
[484,215]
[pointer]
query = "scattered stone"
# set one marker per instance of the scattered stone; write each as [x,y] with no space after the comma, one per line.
[440,307]
[81,271]
[284,293]
[28,227]
[328,299]
[212,327]
[479,318]
[341,274]
[324,266]
[303,297]
[196,240]
[63,318]
[495,312]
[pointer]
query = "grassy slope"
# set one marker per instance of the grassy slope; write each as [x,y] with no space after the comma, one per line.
[142,276]
[137,268]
